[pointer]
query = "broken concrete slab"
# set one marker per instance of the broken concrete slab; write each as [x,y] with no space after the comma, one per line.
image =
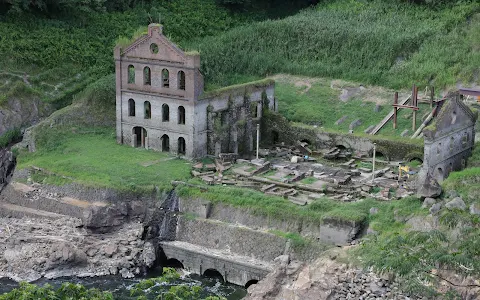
[404,133]
[355,124]
[341,120]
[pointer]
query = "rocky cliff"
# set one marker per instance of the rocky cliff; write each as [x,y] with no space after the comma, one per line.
[7,165]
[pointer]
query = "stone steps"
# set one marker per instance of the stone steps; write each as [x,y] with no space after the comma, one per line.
[16,211]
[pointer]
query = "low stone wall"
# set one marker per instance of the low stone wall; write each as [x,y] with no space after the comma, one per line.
[235,239]
[329,231]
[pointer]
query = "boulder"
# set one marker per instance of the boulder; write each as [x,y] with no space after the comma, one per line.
[149,254]
[456,203]
[450,194]
[475,209]
[428,202]
[103,218]
[373,211]
[430,188]
[435,208]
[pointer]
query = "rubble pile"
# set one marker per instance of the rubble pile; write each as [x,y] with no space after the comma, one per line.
[291,172]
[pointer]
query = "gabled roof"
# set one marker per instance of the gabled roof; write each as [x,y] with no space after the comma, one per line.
[454,114]
[167,50]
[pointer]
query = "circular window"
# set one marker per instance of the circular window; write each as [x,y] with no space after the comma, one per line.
[154,48]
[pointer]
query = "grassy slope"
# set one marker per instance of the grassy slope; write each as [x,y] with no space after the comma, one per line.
[92,157]
[374,42]
[321,106]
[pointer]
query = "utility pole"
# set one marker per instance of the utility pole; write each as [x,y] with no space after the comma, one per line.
[258,138]
[373,161]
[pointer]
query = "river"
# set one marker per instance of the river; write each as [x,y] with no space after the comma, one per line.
[120,287]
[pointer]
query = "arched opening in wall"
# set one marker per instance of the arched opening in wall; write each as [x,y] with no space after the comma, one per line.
[251,282]
[140,135]
[181,115]
[464,163]
[454,117]
[181,80]
[131,74]
[341,147]
[379,155]
[439,176]
[147,110]
[415,162]
[212,273]
[165,143]
[181,145]
[147,76]
[131,108]
[165,78]
[309,143]
[165,113]
[452,143]
[275,137]
[450,168]
[173,263]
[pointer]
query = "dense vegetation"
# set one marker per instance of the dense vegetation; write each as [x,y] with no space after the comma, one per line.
[378,42]
[165,287]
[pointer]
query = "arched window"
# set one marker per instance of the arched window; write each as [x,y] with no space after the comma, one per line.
[147,77]
[165,78]
[165,113]
[165,143]
[181,115]
[131,74]
[181,80]
[181,145]
[148,110]
[131,108]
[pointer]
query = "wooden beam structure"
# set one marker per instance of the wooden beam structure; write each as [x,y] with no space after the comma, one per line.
[413,107]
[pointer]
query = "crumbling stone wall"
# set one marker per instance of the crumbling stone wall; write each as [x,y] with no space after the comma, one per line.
[449,142]
[277,129]
[232,117]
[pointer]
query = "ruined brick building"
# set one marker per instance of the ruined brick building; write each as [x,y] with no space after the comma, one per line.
[161,103]
[449,143]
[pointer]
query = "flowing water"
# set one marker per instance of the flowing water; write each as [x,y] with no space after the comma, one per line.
[120,287]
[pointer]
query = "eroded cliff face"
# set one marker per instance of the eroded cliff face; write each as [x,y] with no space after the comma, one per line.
[7,165]
[49,231]
[22,113]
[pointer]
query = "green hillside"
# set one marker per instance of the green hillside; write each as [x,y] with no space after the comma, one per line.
[390,44]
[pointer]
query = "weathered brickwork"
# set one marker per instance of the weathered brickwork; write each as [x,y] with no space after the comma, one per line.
[161,103]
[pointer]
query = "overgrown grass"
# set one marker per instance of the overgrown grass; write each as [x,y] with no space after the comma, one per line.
[279,208]
[371,42]
[61,56]
[92,157]
[9,137]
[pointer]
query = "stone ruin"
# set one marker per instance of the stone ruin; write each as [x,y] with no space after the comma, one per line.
[449,142]
[161,103]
